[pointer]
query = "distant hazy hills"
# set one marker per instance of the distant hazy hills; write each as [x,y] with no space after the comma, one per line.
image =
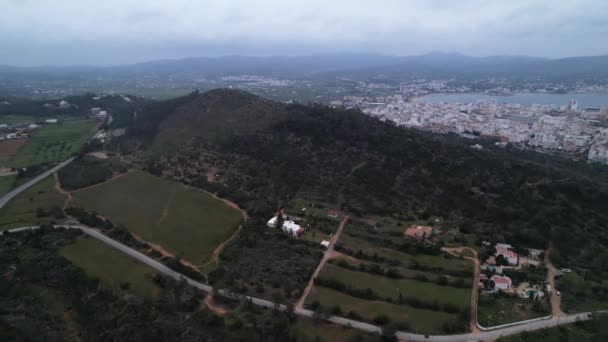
[357,66]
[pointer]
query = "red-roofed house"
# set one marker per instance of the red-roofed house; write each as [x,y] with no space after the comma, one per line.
[418,232]
[502,282]
[511,257]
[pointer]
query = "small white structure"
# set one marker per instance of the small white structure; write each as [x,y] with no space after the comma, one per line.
[64,104]
[325,244]
[51,121]
[32,126]
[288,226]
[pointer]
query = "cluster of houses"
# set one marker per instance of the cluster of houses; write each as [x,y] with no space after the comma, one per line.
[492,279]
[21,130]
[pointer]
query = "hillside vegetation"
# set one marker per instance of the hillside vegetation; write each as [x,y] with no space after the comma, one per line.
[262,154]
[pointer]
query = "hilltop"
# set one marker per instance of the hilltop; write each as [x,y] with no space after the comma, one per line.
[262,153]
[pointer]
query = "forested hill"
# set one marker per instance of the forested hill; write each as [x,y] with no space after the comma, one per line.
[263,153]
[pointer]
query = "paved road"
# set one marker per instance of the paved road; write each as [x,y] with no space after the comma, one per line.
[9,195]
[326,257]
[488,335]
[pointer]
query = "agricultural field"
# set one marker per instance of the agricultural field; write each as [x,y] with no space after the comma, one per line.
[382,272]
[391,288]
[18,119]
[10,148]
[6,184]
[53,143]
[115,269]
[418,320]
[39,204]
[306,330]
[186,222]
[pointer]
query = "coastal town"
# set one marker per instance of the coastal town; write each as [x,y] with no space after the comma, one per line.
[570,129]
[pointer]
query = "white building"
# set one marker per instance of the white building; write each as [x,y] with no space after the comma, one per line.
[598,153]
[288,226]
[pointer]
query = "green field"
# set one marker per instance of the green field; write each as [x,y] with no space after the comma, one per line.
[194,224]
[17,119]
[356,244]
[6,184]
[21,210]
[420,320]
[391,288]
[493,311]
[53,143]
[112,267]
[305,330]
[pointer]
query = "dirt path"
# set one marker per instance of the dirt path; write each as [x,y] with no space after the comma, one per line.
[166,207]
[98,154]
[326,256]
[60,190]
[556,309]
[71,326]
[210,304]
[457,251]
[215,255]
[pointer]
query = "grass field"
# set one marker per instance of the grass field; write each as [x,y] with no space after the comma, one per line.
[391,288]
[305,330]
[356,244]
[112,267]
[53,143]
[187,222]
[493,311]
[21,210]
[6,184]
[420,320]
[17,119]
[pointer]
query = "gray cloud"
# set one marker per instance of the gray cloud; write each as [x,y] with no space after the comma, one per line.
[123,31]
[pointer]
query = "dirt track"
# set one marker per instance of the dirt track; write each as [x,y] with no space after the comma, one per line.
[475,259]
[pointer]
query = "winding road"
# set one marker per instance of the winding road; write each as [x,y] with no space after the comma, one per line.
[9,195]
[477,336]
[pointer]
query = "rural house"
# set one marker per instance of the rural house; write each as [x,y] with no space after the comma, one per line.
[502,283]
[418,232]
[511,257]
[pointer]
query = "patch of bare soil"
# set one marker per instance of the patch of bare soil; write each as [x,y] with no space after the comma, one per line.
[9,148]
[215,308]
[99,154]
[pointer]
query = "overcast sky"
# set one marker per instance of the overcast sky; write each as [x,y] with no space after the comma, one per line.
[56,32]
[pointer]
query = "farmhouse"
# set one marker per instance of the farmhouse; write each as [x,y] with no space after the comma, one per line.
[418,232]
[511,257]
[502,282]
[288,226]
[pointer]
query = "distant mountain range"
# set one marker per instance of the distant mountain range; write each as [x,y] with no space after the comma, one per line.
[356,66]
